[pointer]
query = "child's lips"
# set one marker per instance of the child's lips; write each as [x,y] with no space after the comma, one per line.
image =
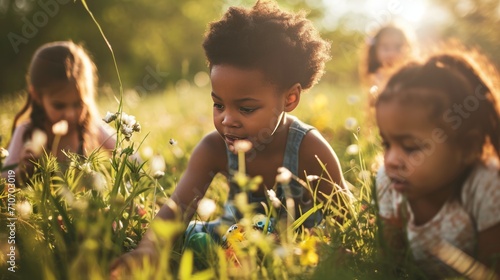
[399,185]
[230,139]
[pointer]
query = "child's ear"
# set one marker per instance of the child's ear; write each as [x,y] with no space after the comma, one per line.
[292,97]
[35,95]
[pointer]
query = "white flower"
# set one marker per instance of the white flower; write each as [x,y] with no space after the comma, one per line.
[3,153]
[352,149]
[37,142]
[99,182]
[109,117]
[373,90]
[147,152]
[311,178]
[158,164]
[158,174]
[284,175]
[273,198]
[350,123]
[242,145]
[86,168]
[206,208]
[364,175]
[60,128]
[24,209]
[128,120]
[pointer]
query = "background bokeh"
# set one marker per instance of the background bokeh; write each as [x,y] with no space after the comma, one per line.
[164,37]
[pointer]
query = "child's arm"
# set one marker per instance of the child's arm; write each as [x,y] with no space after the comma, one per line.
[19,156]
[206,161]
[314,147]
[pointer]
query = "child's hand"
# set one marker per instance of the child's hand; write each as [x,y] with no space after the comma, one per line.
[123,266]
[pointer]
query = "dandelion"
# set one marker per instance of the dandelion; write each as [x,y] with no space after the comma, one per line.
[37,142]
[109,117]
[60,128]
[158,174]
[350,123]
[24,209]
[3,153]
[352,149]
[206,208]
[157,164]
[99,182]
[284,175]
[242,146]
[312,178]
[273,198]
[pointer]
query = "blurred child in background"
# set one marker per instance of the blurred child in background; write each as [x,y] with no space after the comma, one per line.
[60,105]
[440,184]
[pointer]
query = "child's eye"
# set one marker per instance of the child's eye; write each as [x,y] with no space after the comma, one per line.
[247,110]
[58,106]
[385,145]
[411,149]
[218,106]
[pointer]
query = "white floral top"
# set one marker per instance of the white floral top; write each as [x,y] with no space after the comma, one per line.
[457,223]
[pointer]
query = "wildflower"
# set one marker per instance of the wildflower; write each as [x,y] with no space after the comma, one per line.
[206,208]
[109,117]
[60,128]
[242,146]
[273,198]
[308,255]
[157,164]
[158,174]
[311,178]
[147,152]
[117,226]
[172,142]
[284,175]
[99,182]
[37,142]
[86,168]
[373,90]
[352,149]
[3,153]
[129,125]
[141,211]
[24,209]
[350,123]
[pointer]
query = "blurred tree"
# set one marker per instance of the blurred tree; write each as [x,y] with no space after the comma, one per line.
[475,23]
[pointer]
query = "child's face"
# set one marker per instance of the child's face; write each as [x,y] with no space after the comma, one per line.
[419,157]
[245,105]
[62,102]
[390,49]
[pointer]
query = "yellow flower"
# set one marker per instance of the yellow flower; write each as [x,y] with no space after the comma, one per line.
[308,255]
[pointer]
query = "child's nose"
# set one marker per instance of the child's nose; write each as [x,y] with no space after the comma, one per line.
[229,119]
[70,114]
[392,159]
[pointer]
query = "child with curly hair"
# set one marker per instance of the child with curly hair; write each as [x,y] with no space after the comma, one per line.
[439,189]
[261,60]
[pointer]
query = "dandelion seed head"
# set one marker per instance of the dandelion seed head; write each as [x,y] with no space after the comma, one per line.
[352,149]
[242,145]
[206,208]
[284,175]
[60,128]
[158,164]
[312,178]
[37,142]
[350,123]
[158,174]
[99,182]
[24,209]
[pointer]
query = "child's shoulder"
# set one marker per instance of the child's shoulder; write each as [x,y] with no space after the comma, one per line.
[483,178]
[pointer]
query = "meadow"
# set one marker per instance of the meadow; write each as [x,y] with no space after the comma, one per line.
[71,223]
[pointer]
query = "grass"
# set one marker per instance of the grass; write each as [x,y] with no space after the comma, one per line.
[76,226]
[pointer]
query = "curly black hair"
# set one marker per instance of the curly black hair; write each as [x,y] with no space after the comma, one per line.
[284,46]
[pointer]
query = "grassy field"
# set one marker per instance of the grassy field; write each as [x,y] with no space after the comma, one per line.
[74,229]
